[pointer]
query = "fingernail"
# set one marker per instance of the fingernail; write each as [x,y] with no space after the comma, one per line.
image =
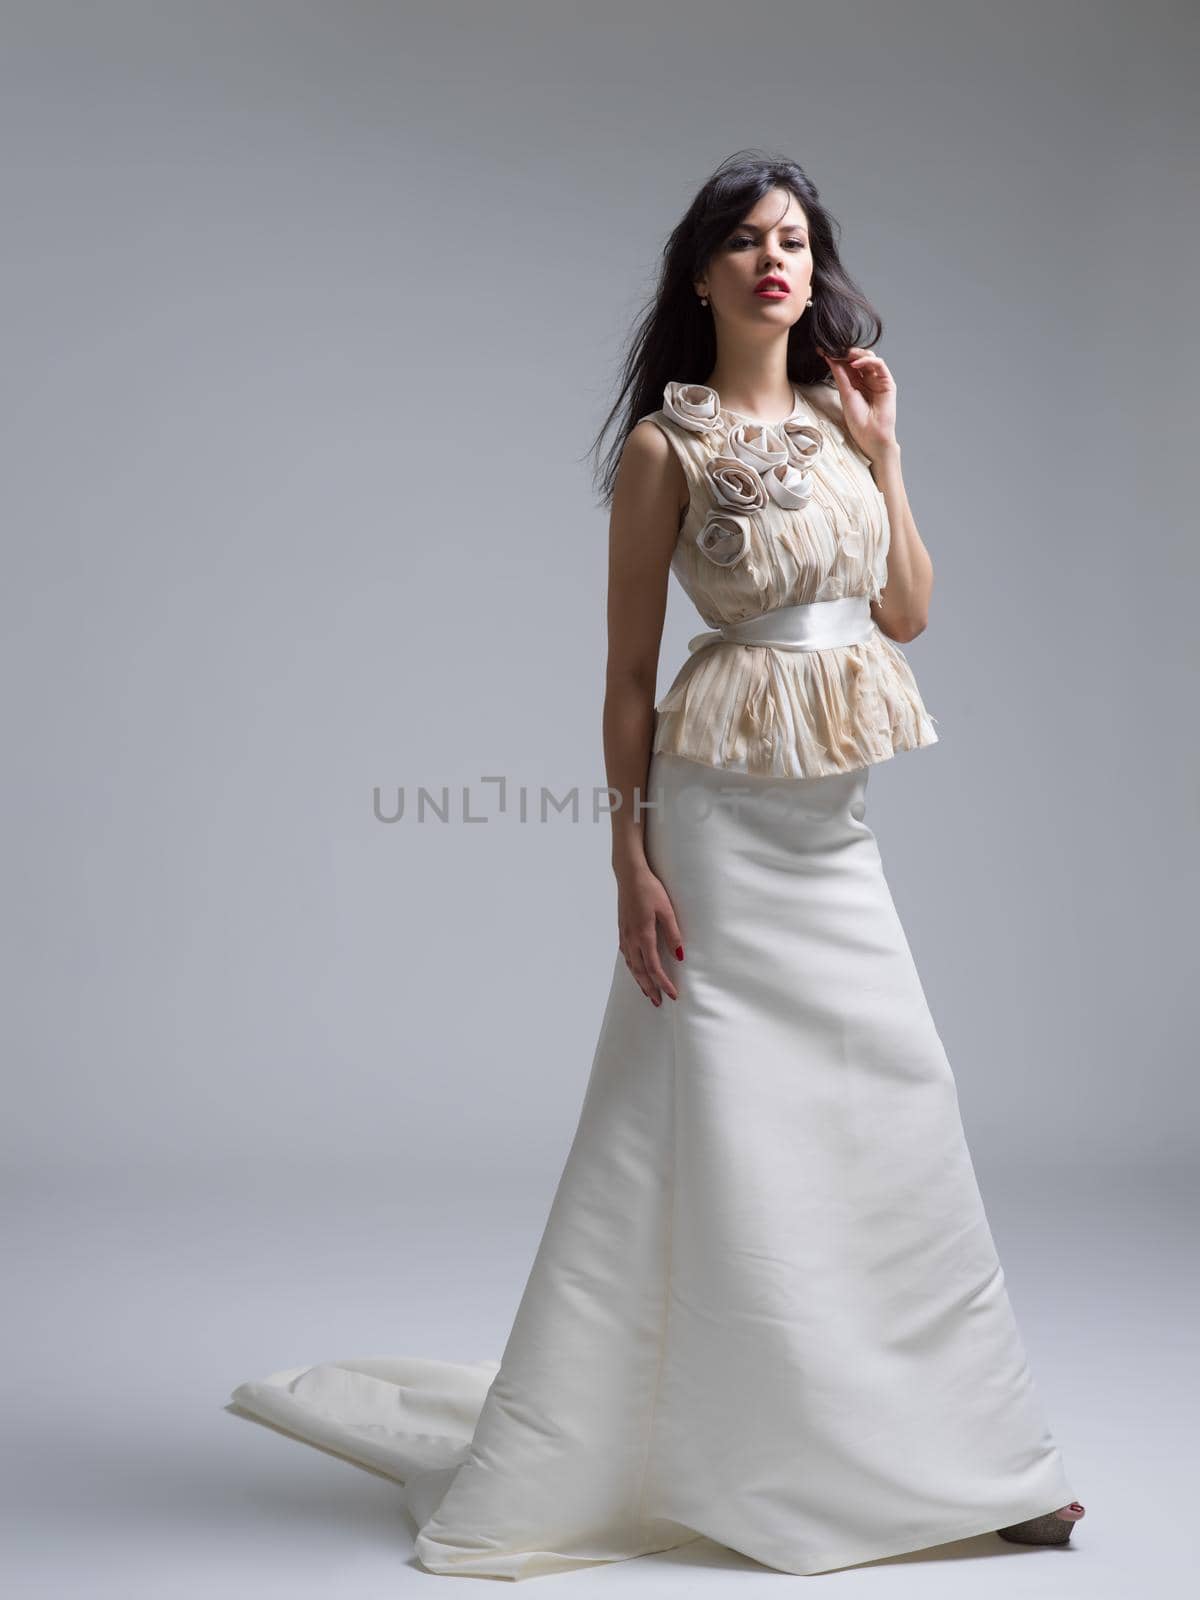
[679,952]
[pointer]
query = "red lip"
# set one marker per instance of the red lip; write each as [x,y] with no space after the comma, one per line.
[772,286]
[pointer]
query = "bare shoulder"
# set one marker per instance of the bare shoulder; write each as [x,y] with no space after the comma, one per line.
[650,465]
[647,443]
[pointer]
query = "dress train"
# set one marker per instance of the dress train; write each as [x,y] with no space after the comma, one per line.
[766,1307]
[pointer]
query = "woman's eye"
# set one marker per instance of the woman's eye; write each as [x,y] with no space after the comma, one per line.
[742,238]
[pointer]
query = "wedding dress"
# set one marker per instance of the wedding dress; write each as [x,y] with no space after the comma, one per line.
[766,1308]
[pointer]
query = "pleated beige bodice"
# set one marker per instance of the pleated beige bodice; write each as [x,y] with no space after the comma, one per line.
[780,515]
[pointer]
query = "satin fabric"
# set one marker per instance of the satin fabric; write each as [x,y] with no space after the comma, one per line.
[819,625]
[766,1307]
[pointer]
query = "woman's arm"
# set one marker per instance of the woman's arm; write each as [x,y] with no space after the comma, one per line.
[648,494]
[903,612]
[868,394]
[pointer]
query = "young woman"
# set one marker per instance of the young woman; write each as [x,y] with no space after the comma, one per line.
[767,1307]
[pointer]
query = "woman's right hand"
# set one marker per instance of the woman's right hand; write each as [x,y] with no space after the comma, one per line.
[642,905]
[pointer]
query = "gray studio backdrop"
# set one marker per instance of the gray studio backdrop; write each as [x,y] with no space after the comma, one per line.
[312,313]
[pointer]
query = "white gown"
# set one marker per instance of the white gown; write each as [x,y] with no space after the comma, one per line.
[767,1307]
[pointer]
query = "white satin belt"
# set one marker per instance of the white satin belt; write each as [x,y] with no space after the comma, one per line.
[819,625]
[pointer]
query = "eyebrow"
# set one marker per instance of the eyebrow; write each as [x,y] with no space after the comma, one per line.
[792,227]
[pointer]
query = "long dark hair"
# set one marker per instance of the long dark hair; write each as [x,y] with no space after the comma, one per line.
[674,338]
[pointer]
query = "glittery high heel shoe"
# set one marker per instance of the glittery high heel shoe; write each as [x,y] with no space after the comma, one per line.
[1054,1528]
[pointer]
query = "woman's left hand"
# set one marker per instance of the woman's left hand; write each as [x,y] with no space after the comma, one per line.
[868,393]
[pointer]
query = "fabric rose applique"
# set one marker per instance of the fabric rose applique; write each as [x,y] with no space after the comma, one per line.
[693,406]
[788,486]
[791,484]
[735,484]
[724,538]
[804,443]
[756,464]
[764,464]
[757,445]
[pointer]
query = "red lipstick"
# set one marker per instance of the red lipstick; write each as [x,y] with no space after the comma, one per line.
[772,288]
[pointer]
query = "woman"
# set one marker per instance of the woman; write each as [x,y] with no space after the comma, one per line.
[766,1308]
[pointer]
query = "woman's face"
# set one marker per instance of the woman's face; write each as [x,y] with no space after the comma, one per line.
[770,241]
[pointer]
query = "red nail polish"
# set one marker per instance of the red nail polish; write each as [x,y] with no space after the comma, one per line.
[679,952]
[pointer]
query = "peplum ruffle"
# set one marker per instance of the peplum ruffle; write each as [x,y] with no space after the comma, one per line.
[794,713]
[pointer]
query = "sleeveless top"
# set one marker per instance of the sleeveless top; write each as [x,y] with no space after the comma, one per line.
[781,515]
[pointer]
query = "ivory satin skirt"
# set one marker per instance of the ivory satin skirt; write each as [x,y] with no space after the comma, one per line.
[766,1307]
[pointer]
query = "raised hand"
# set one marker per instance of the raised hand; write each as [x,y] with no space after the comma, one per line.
[868,393]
